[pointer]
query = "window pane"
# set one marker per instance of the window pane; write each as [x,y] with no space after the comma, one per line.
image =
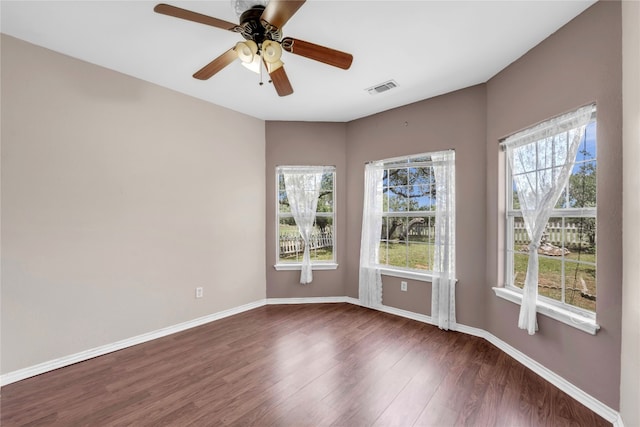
[587,150]
[395,253]
[520,237]
[550,277]
[582,185]
[524,159]
[327,182]
[515,202]
[283,202]
[397,177]
[420,176]
[325,202]
[545,153]
[554,238]
[393,228]
[407,249]
[580,282]
[567,251]
[421,241]
[290,243]
[563,201]
[321,244]
[325,199]
[580,237]
[421,198]
[421,230]
[519,269]
[397,199]
[420,256]
[560,149]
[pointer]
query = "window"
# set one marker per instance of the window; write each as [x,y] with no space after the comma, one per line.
[567,248]
[407,240]
[290,243]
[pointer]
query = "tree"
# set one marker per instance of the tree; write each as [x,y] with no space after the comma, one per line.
[582,194]
[325,201]
[405,187]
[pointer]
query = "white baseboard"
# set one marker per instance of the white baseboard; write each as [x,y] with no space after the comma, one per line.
[309,300]
[61,362]
[408,314]
[587,400]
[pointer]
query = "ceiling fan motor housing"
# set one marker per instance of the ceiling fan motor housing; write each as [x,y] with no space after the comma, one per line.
[252,28]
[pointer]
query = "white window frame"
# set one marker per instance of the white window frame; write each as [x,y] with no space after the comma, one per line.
[315,265]
[397,271]
[558,309]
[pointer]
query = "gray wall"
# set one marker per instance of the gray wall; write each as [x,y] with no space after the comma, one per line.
[304,143]
[118,199]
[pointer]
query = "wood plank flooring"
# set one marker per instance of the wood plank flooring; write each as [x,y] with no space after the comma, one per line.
[297,365]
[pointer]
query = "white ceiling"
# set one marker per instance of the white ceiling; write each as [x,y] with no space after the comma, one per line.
[427,47]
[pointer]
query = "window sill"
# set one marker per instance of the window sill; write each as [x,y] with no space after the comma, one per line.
[407,274]
[567,317]
[292,266]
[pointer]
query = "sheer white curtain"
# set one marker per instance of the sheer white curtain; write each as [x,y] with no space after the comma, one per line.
[541,159]
[302,184]
[370,281]
[443,287]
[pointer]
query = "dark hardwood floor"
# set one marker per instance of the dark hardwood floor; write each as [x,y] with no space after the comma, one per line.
[298,365]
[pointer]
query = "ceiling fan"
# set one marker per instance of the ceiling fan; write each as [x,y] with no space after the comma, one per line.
[261,26]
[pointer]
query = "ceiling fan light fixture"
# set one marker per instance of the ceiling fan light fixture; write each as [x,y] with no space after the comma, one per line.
[254,65]
[271,51]
[247,51]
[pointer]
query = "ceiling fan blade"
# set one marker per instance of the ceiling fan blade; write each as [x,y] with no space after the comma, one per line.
[281,81]
[177,12]
[216,65]
[278,12]
[318,53]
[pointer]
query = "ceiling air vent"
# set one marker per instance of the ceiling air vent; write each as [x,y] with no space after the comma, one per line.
[382,87]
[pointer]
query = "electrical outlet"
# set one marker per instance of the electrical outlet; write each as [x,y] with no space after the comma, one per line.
[403,286]
[199,292]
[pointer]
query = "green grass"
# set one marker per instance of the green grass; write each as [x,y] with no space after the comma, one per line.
[416,255]
[324,254]
[550,277]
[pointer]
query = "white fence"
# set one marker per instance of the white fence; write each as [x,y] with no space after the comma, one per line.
[553,234]
[291,244]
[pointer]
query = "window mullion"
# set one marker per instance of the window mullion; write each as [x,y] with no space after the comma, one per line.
[563,273]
